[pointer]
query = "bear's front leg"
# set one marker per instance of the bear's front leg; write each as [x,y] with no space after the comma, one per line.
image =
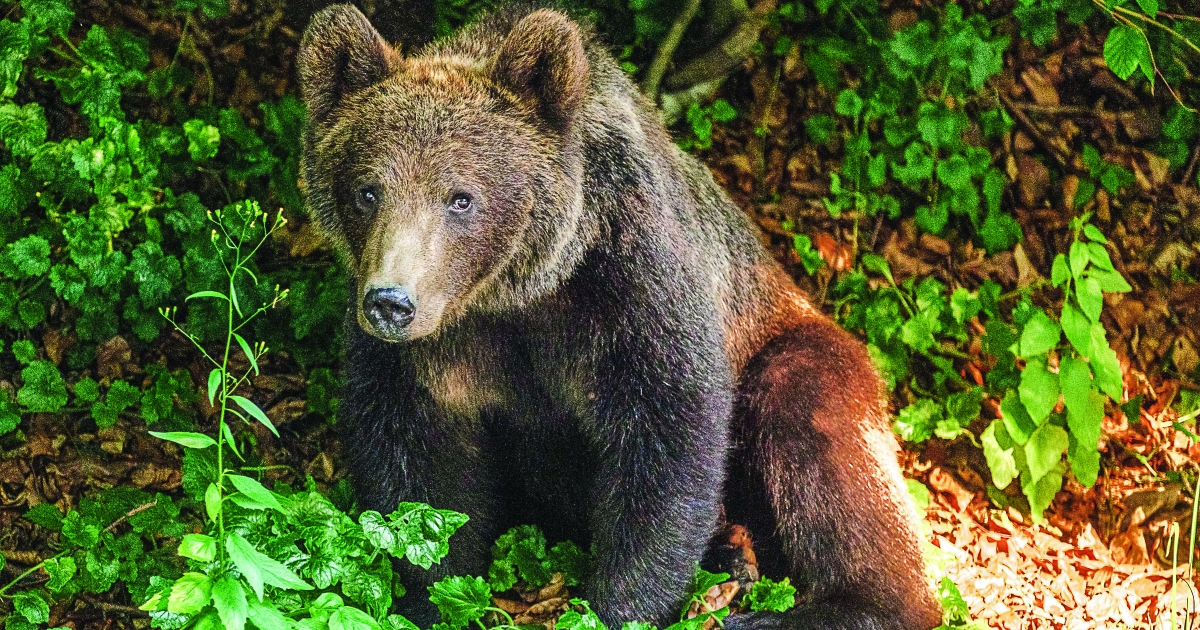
[402,447]
[661,423]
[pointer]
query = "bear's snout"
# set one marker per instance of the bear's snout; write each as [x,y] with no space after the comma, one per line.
[388,310]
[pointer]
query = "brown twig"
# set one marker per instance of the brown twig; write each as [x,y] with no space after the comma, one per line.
[1032,129]
[1190,171]
[141,508]
[1069,110]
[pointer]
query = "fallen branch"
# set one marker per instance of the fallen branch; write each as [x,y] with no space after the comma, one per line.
[666,50]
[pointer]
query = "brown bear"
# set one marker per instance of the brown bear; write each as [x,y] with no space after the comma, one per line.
[558,317]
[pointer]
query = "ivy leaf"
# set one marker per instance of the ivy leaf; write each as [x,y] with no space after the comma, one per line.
[22,128]
[1126,51]
[767,594]
[43,389]
[203,139]
[32,607]
[461,600]
[998,450]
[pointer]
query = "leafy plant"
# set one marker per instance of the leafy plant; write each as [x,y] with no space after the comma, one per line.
[700,122]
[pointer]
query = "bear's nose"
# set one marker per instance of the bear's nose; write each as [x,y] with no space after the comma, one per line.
[388,308]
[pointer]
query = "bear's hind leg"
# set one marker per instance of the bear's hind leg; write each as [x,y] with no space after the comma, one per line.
[813,448]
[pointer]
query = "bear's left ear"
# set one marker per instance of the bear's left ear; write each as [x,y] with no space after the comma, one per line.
[543,62]
[341,53]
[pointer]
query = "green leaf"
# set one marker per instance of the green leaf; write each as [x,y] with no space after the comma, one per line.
[1126,51]
[1078,329]
[229,598]
[214,383]
[848,103]
[249,354]
[212,502]
[1099,256]
[1105,365]
[954,172]
[1091,298]
[1075,380]
[1040,336]
[1079,258]
[22,128]
[1045,449]
[203,139]
[998,450]
[1039,389]
[267,617]
[185,438]
[461,600]
[572,562]
[30,257]
[1016,419]
[212,294]
[60,570]
[259,568]
[198,547]
[261,497]
[767,594]
[45,515]
[49,16]
[1149,6]
[249,407]
[190,594]
[24,351]
[43,389]
[1109,281]
[722,111]
[350,618]
[1085,425]
[1059,271]
[1041,492]
[32,607]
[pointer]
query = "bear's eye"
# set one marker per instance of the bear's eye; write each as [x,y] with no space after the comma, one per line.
[461,203]
[367,198]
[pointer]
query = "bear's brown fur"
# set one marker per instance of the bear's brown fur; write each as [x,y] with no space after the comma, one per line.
[558,317]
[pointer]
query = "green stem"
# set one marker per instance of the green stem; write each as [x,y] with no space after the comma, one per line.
[27,573]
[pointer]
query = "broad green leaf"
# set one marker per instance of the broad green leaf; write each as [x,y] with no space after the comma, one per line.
[1039,389]
[22,128]
[203,140]
[954,172]
[1085,425]
[263,568]
[1045,449]
[1041,335]
[461,600]
[1126,51]
[1016,419]
[267,617]
[43,389]
[1110,281]
[198,547]
[1059,272]
[212,502]
[1091,298]
[1150,7]
[1105,364]
[1075,380]
[249,407]
[32,607]
[1099,256]
[350,618]
[767,594]
[1078,329]
[1079,258]
[190,594]
[1041,492]
[229,598]
[999,456]
[60,570]
[377,531]
[185,438]
[262,498]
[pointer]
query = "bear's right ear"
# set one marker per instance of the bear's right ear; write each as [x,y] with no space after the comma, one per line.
[341,53]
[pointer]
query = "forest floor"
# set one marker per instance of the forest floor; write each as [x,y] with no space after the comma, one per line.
[1102,558]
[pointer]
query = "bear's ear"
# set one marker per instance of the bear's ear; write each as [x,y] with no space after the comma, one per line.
[543,62]
[340,54]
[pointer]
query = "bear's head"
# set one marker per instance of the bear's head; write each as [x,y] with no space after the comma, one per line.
[449,181]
